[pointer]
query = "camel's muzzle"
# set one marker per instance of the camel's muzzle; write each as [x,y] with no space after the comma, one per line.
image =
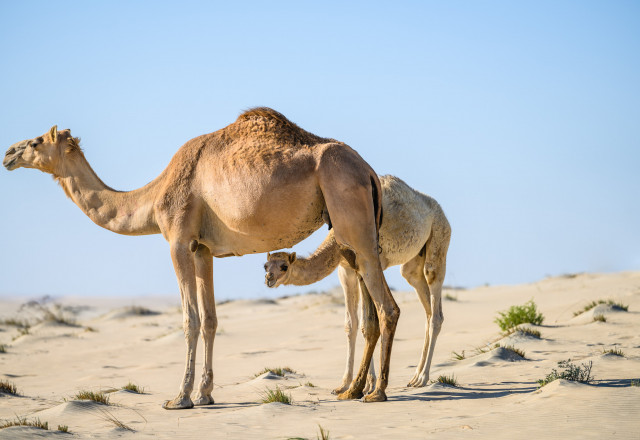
[13,154]
[270,280]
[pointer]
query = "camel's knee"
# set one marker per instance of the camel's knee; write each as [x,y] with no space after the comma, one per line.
[209,324]
[191,326]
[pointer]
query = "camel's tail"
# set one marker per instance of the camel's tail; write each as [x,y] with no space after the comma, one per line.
[376,190]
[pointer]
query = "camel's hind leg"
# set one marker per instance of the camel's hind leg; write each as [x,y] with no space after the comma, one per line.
[349,281]
[348,189]
[435,267]
[369,324]
[413,272]
[208,320]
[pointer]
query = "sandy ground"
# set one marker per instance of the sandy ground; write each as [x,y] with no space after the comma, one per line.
[497,396]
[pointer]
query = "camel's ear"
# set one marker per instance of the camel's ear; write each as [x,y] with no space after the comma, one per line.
[268,255]
[53,134]
[292,257]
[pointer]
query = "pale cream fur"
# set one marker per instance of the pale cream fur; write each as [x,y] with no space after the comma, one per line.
[259,184]
[414,233]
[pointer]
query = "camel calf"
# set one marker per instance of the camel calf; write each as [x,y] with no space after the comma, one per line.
[414,233]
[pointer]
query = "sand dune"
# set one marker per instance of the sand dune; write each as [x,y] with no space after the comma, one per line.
[108,343]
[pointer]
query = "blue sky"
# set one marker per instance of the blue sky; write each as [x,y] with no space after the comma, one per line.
[520,118]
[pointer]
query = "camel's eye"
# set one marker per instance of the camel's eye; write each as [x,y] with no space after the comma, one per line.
[284,268]
[34,144]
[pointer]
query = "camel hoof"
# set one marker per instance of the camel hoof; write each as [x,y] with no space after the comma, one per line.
[350,395]
[203,400]
[376,396]
[340,389]
[178,403]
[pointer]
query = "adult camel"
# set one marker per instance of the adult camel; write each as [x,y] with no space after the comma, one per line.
[260,184]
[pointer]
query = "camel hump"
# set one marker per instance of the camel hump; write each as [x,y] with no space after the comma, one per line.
[267,113]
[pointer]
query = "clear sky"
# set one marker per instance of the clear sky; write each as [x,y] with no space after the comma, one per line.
[521,118]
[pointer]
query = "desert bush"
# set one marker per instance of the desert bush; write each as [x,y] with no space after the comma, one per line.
[277,395]
[592,304]
[516,315]
[570,371]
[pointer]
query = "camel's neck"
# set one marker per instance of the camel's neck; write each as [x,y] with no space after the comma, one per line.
[128,213]
[318,265]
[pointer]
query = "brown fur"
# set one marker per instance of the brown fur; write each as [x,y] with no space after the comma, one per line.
[257,185]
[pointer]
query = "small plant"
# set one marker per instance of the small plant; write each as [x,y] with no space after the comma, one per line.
[63,428]
[614,351]
[133,388]
[3,349]
[277,395]
[515,350]
[614,305]
[109,417]
[457,356]
[277,371]
[7,387]
[450,297]
[599,318]
[22,421]
[570,371]
[90,329]
[142,311]
[309,384]
[516,315]
[98,397]
[447,380]
[323,435]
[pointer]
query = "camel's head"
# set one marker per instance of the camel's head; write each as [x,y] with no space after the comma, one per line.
[277,268]
[44,153]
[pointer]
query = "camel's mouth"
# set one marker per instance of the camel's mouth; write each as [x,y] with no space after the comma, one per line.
[270,283]
[14,153]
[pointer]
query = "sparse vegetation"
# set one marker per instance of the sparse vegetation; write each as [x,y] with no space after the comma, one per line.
[109,417]
[515,350]
[3,349]
[277,395]
[143,311]
[457,356]
[450,297]
[614,351]
[15,322]
[570,371]
[277,371]
[599,318]
[22,421]
[516,315]
[7,387]
[447,380]
[98,397]
[323,435]
[57,316]
[63,428]
[592,304]
[133,388]
[309,384]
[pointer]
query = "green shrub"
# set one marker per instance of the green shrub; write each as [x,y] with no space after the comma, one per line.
[277,395]
[447,380]
[516,315]
[570,371]
[599,318]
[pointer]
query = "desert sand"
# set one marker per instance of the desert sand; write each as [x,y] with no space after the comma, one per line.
[497,395]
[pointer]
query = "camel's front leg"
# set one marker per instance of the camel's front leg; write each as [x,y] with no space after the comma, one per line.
[349,281]
[208,320]
[183,263]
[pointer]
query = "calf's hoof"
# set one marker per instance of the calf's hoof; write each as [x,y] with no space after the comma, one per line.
[340,389]
[203,400]
[376,396]
[178,403]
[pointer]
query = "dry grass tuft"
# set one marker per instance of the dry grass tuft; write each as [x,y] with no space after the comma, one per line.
[458,356]
[614,351]
[22,421]
[3,349]
[447,380]
[515,350]
[133,388]
[323,435]
[63,428]
[592,304]
[277,371]
[98,397]
[109,417]
[599,318]
[7,387]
